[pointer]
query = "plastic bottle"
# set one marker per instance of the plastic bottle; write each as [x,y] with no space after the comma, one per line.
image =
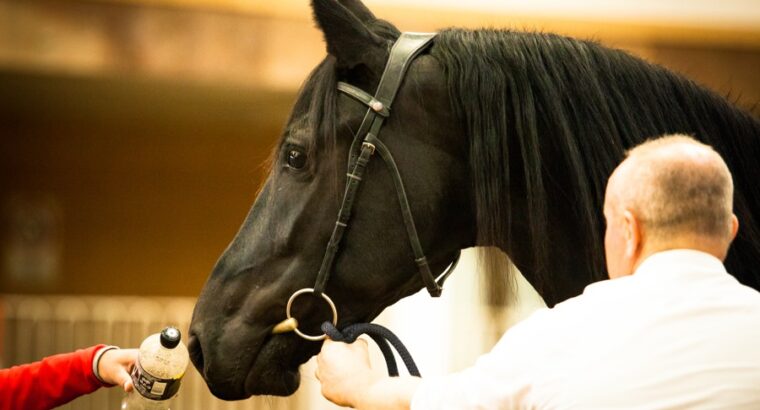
[161,363]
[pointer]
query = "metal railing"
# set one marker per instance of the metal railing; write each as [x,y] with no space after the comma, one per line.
[32,327]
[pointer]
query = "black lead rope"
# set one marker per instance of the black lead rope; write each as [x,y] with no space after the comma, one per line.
[384,339]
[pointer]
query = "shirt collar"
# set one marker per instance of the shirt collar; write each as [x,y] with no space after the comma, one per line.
[678,261]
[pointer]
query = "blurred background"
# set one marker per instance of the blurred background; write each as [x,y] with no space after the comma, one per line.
[132,134]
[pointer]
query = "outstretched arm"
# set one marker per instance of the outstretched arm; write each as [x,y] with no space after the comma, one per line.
[58,379]
[347,379]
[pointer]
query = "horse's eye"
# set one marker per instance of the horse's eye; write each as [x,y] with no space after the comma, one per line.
[296,159]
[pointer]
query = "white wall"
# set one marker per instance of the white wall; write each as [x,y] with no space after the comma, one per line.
[443,334]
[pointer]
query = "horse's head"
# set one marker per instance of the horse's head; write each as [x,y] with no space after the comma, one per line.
[282,241]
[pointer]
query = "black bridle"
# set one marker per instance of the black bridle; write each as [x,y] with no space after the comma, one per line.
[404,50]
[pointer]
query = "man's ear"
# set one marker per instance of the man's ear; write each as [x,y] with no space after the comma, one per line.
[633,236]
[734,227]
[347,34]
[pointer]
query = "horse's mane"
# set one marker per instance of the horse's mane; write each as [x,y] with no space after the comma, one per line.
[525,97]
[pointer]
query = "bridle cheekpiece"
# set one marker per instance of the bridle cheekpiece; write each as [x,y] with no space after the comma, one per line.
[366,141]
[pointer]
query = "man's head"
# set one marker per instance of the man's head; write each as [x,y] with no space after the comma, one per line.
[669,193]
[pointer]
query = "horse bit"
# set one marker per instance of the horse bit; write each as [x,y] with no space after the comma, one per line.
[404,50]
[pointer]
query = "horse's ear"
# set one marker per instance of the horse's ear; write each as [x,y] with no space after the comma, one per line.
[348,38]
[359,9]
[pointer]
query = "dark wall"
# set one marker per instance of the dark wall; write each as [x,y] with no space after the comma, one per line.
[125,186]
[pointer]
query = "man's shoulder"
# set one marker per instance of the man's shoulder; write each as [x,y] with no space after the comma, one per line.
[594,300]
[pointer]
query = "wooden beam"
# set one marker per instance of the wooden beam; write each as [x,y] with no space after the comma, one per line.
[420,16]
[268,46]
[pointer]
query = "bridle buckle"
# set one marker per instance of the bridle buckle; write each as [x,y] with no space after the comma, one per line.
[370,146]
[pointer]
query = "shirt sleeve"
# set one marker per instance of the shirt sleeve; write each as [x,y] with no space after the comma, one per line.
[477,387]
[502,378]
[49,383]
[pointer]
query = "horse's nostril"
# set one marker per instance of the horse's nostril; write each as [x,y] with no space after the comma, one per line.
[196,351]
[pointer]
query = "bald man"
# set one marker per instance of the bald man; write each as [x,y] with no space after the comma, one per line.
[671,330]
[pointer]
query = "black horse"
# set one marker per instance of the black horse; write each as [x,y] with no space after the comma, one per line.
[502,139]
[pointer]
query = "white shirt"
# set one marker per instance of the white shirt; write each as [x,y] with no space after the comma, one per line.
[680,333]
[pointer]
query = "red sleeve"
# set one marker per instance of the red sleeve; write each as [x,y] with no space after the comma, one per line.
[49,383]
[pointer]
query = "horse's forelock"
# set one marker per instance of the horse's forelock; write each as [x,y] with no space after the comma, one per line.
[317,102]
[316,110]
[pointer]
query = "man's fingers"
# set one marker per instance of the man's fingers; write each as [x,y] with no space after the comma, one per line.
[329,342]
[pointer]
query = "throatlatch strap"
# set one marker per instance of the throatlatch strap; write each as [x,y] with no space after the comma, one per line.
[406,213]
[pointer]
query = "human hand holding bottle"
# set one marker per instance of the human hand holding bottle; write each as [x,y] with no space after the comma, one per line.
[158,369]
[115,365]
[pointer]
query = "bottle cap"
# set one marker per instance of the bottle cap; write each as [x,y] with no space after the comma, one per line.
[170,337]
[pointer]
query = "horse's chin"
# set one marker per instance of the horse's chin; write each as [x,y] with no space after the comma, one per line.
[272,382]
[275,369]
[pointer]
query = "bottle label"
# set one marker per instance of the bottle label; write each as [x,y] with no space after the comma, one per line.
[152,387]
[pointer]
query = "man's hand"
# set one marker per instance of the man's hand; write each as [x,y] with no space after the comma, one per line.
[347,379]
[114,367]
[344,372]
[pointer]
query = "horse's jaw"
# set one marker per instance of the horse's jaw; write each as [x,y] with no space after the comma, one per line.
[236,368]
